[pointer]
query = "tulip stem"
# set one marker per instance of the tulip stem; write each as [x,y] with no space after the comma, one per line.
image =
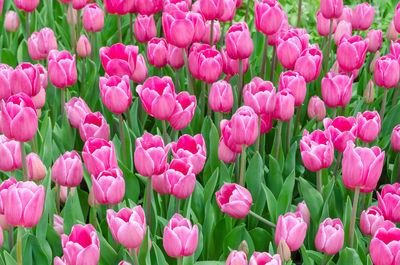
[83,77]
[62,102]
[221,41]
[243,164]
[296,123]
[212,33]
[353,216]
[264,58]
[247,11]
[203,96]
[72,27]
[288,132]
[148,201]
[19,245]
[177,204]
[299,14]
[319,181]
[257,145]
[122,136]
[134,256]
[273,65]
[338,161]
[334,113]
[177,79]
[119,29]
[93,220]
[179,260]
[219,122]
[328,50]
[208,105]
[92,40]
[262,219]
[395,95]
[164,128]
[10,237]
[131,27]
[58,195]
[382,113]
[343,112]
[325,259]
[278,139]
[240,83]
[185,57]
[23,159]
[398,169]
[27,26]
[236,168]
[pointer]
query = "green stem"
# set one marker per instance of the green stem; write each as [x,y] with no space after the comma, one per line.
[257,145]
[177,79]
[27,26]
[203,97]
[131,27]
[243,165]
[177,205]
[135,257]
[325,259]
[10,237]
[212,33]
[240,83]
[338,161]
[221,41]
[73,41]
[299,14]
[278,139]
[328,50]
[122,136]
[363,200]
[179,260]
[62,102]
[237,168]
[288,132]
[119,29]
[185,57]
[208,105]
[395,95]
[264,58]
[83,77]
[165,134]
[297,121]
[149,190]
[353,217]
[19,245]
[219,122]
[92,40]
[262,219]
[271,76]
[23,159]
[94,216]
[319,181]
[247,11]
[383,107]
[343,111]
[334,113]
[58,191]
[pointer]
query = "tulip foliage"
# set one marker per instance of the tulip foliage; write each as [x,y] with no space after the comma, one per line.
[199,132]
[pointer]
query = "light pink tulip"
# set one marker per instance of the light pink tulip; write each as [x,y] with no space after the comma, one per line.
[25,79]
[264,258]
[268,16]
[363,16]
[395,138]
[347,14]
[289,47]
[10,153]
[292,228]
[387,71]
[141,71]
[220,97]
[67,170]
[385,246]
[148,7]
[58,224]
[368,125]
[294,82]
[3,192]
[336,89]
[231,66]
[244,125]
[375,40]
[239,44]
[145,28]
[212,9]
[116,93]
[309,64]
[236,258]
[331,8]
[260,95]
[330,236]
[343,28]
[175,57]
[184,110]
[36,168]
[83,48]
[94,125]
[371,220]
[5,88]
[62,68]
[76,109]
[39,99]
[109,186]
[226,132]
[304,212]
[178,28]
[93,18]
[47,41]
[351,52]
[99,155]
[225,154]
[180,178]
[316,150]
[234,200]
[316,107]
[323,24]
[284,108]
[11,21]
[157,52]
[159,183]
[341,130]
[389,202]
[216,32]
[198,25]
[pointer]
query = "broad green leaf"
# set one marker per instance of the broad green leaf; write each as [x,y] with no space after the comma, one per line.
[209,188]
[272,204]
[313,199]
[275,179]
[349,256]
[285,196]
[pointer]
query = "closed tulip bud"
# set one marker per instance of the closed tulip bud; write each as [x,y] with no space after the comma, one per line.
[385,246]
[330,236]
[83,48]
[292,229]
[229,11]
[25,79]
[377,56]
[266,123]
[236,258]
[288,48]
[304,212]
[26,5]
[368,125]
[183,113]
[62,68]
[225,154]
[194,56]
[58,224]
[239,44]
[109,186]
[363,16]
[128,226]
[386,71]
[234,200]
[176,243]
[284,108]
[369,92]
[209,65]
[150,155]
[351,53]
[375,40]
[5,88]
[216,32]
[316,107]
[115,93]
[394,49]
[220,98]
[178,28]
[395,138]
[145,28]
[260,95]
[76,109]
[158,97]
[389,202]
[157,52]
[10,153]
[94,125]
[331,8]
[39,100]
[81,246]
[99,155]
[309,64]
[119,59]
[265,258]
[212,9]
[347,14]
[323,24]
[36,169]
[343,28]
[159,184]
[198,25]
[67,170]
[93,18]
[391,33]
[192,149]
[316,150]
[336,89]
[226,132]
[243,246]
[231,66]
[371,220]
[3,192]
[118,7]
[23,204]
[180,179]
[341,130]
[74,16]
[18,117]
[396,18]
[148,7]
[11,21]
[294,82]
[175,57]
[244,124]
[141,71]
[284,251]
[46,41]
[268,16]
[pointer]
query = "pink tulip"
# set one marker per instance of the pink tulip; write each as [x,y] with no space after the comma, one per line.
[226,133]
[3,192]
[180,237]
[184,111]
[330,236]
[62,68]
[178,28]
[316,107]
[395,49]
[266,123]
[363,16]
[316,150]
[234,200]
[395,138]
[141,71]
[244,125]
[72,18]
[40,99]
[209,65]
[148,7]
[46,41]
[292,228]
[99,155]
[368,125]
[396,18]
[264,258]
[180,179]
[26,5]
[76,109]
[36,169]
[283,28]
[331,8]
[231,66]
[118,7]
[284,108]
[336,89]
[5,88]
[82,246]
[225,154]
[239,44]
[343,28]
[79,4]
[194,56]
[43,75]
[341,130]
[236,258]
[371,220]
[386,72]
[83,48]
[220,98]
[304,212]
[25,79]
[145,28]
[18,117]
[115,93]
[10,154]
[175,57]
[182,5]
[157,52]
[229,11]
[268,16]
[124,263]
[309,64]
[347,14]
[216,32]
[375,40]
[109,186]
[198,25]
[67,170]
[389,202]
[288,48]
[323,24]
[93,18]
[385,246]
[150,155]
[11,21]
[159,183]
[212,9]
[23,204]
[119,59]
[362,167]
[294,82]
[128,226]
[158,97]
[64,193]
[260,96]
[94,125]
[58,224]
[351,53]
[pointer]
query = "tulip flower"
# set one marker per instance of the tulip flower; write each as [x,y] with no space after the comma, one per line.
[292,228]
[244,125]
[109,186]
[220,98]
[58,224]
[336,89]
[157,52]
[330,236]
[239,44]
[384,246]
[229,11]
[118,7]
[25,79]
[83,48]
[159,184]
[347,14]
[184,111]
[93,18]
[389,202]
[363,16]
[180,237]
[5,88]
[236,258]
[180,179]
[225,154]
[371,220]
[323,24]
[198,25]
[260,96]
[368,125]
[289,47]
[178,28]
[183,5]
[3,192]
[128,226]
[375,40]
[316,150]
[67,170]
[76,109]
[26,5]
[395,138]
[148,7]
[265,258]
[209,65]
[212,9]
[386,71]
[268,16]
[234,200]
[194,55]
[343,28]
[231,66]
[294,82]
[62,68]
[81,246]
[115,93]
[99,155]
[216,31]
[141,71]
[341,130]
[175,57]
[39,100]
[331,8]
[94,125]
[316,107]
[304,212]
[11,21]
[10,153]
[226,132]
[46,41]
[145,28]
[351,52]
[309,64]
[36,169]
[284,108]
[391,33]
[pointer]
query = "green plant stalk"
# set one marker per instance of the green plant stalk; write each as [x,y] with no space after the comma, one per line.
[176,71]
[264,58]
[219,122]
[203,97]
[119,29]
[73,40]
[328,50]
[338,161]
[134,256]
[237,168]
[83,77]
[208,105]
[288,132]
[271,76]
[93,221]
[177,204]
[243,165]
[165,134]
[325,259]
[23,159]
[179,260]
[299,14]
[353,217]
[122,136]
[58,198]
[19,245]
[319,181]
[10,237]
[62,102]
[27,26]
[212,33]
[247,11]
[257,145]
[278,139]
[297,121]
[92,44]
[240,83]
[262,219]
[185,57]
[131,27]
[383,107]
[149,190]
[222,39]
[334,113]
[395,95]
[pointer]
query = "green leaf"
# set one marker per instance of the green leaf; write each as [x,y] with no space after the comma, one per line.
[210,186]
[275,179]
[290,162]
[272,204]
[144,248]
[304,255]
[8,57]
[8,259]
[159,255]
[313,199]
[285,196]
[349,256]
[107,253]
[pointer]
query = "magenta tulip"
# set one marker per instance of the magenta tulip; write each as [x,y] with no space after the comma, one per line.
[212,9]
[194,55]
[198,25]
[323,24]
[363,16]
[11,21]
[94,125]
[266,123]
[58,224]
[183,113]
[395,138]
[119,7]
[178,28]
[234,200]
[99,155]
[220,97]
[316,150]
[40,99]
[244,125]
[3,192]
[231,66]
[26,5]
[209,65]
[343,28]
[159,184]
[284,108]
[389,202]
[294,82]
[304,212]
[289,47]
[309,64]
[226,133]
[76,109]
[331,8]
[341,130]
[141,71]
[62,68]
[330,236]
[10,154]
[182,5]
[316,107]
[225,154]
[47,41]
[175,57]
[148,7]
[347,14]
[368,125]
[385,246]
[145,28]
[5,88]
[229,11]
[25,79]
[260,95]
[239,44]
[67,170]
[351,53]
[93,18]
[387,71]
[268,16]
[109,186]
[236,258]
[375,40]
[115,93]
[265,258]
[83,48]
[371,220]
[180,178]
[36,168]
[336,89]
[292,228]
[216,32]
[157,52]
